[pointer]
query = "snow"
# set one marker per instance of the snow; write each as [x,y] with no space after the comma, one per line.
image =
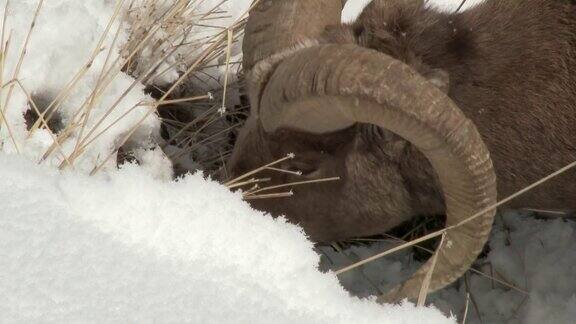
[536,256]
[126,247]
[132,245]
[52,60]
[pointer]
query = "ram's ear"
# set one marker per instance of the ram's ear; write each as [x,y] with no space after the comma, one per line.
[439,78]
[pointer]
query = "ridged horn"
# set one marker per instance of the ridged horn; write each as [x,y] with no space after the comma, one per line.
[326,88]
[277,29]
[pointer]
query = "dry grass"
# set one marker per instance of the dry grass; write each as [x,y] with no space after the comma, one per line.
[250,183]
[161,41]
[465,315]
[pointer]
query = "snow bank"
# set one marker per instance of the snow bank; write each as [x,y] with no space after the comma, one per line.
[534,255]
[64,38]
[537,256]
[60,55]
[129,248]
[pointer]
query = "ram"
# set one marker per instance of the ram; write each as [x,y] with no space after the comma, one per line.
[418,112]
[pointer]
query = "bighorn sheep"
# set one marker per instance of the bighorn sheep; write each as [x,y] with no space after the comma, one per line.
[418,112]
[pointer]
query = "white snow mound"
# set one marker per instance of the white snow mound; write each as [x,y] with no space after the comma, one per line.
[128,248]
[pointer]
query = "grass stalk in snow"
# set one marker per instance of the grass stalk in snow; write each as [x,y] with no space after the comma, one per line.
[4,47]
[490,276]
[22,55]
[230,36]
[218,39]
[466,305]
[472,298]
[63,95]
[109,75]
[465,221]
[137,47]
[92,97]
[426,283]
[176,19]
[180,100]
[41,118]
[16,73]
[86,107]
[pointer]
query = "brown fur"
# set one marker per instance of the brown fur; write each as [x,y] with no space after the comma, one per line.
[509,65]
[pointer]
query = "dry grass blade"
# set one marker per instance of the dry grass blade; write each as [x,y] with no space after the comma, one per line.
[230,36]
[116,68]
[297,173]
[478,214]
[428,278]
[465,315]
[85,108]
[269,196]
[191,124]
[3,118]
[3,53]
[164,97]
[253,172]
[22,56]
[92,100]
[502,282]
[207,141]
[252,181]
[41,118]
[472,298]
[490,277]
[63,94]
[292,184]
[106,115]
[180,100]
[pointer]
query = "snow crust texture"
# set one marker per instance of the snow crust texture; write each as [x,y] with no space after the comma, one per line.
[535,258]
[65,36]
[128,248]
[132,246]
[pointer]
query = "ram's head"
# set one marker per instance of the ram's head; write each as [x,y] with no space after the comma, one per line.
[348,112]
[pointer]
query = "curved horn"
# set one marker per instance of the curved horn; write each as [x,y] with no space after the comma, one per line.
[276,26]
[277,29]
[330,87]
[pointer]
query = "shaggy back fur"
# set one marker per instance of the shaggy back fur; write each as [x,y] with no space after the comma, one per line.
[511,68]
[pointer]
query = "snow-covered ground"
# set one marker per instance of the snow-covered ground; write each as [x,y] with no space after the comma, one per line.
[131,245]
[531,260]
[127,248]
